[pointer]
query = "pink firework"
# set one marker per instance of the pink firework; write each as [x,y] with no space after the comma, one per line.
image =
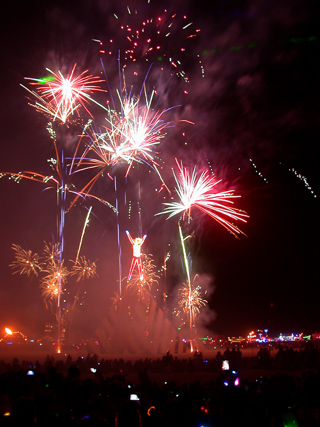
[199,191]
[60,97]
[130,136]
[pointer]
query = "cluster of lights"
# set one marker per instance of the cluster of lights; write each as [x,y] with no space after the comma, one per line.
[150,41]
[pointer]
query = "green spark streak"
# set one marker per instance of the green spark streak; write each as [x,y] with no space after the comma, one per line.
[188,25]
[184,255]
[44,80]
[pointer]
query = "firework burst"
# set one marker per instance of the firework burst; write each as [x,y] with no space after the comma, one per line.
[198,191]
[51,253]
[56,274]
[26,262]
[141,285]
[60,97]
[190,300]
[83,269]
[129,136]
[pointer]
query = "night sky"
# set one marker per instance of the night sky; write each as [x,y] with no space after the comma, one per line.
[254,99]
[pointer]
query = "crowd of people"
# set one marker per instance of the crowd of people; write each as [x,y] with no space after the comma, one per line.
[98,392]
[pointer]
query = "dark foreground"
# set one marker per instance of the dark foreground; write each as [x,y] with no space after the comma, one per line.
[278,389]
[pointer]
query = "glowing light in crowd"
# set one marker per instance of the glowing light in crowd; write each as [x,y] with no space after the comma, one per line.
[60,97]
[198,191]
[8,331]
[136,255]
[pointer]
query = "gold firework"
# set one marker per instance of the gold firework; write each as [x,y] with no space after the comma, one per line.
[84,269]
[25,262]
[190,300]
[50,283]
[51,252]
[140,285]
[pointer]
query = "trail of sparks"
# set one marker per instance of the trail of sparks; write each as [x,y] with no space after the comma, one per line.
[86,222]
[304,180]
[257,171]
[185,259]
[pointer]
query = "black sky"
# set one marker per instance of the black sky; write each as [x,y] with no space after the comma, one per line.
[256,115]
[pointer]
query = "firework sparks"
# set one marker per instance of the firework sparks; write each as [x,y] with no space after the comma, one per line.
[116,300]
[83,231]
[84,269]
[166,40]
[190,300]
[139,285]
[51,253]
[60,97]
[130,136]
[61,180]
[25,262]
[198,191]
[56,275]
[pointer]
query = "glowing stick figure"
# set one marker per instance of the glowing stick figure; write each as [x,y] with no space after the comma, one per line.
[136,256]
